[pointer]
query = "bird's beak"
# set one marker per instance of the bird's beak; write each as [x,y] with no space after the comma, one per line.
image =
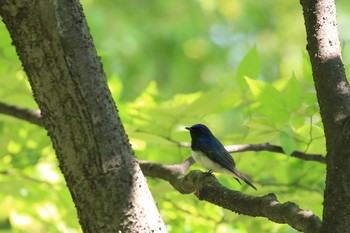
[188,128]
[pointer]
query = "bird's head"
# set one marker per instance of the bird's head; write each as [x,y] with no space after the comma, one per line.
[199,130]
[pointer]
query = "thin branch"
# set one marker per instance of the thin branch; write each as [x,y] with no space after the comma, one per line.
[32,116]
[276,149]
[257,147]
[26,177]
[268,147]
[206,187]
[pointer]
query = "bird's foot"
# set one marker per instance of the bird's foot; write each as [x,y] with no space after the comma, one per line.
[210,172]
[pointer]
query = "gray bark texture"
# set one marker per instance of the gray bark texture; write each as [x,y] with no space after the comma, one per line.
[108,188]
[333,95]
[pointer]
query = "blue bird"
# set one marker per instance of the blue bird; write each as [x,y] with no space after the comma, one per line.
[209,153]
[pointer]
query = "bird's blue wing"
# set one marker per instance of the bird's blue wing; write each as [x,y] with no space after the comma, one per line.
[217,153]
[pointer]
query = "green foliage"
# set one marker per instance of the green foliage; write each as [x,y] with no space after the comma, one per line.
[293,94]
[228,64]
[250,67]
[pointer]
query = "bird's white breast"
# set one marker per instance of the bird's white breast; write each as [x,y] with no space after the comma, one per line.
[207,163]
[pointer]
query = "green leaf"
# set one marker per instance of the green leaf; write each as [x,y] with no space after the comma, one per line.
[310,98]
[287,142]
[293,93]
[148,97]
[307,71]
[261,129]
[250,67]
[272,103]
[214,101]
[297,121]
[311,110]
[266,92]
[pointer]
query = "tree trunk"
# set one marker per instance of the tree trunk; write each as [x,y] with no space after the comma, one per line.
[107,186]
[333,96]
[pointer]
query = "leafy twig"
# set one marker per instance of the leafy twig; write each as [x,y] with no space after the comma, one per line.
[34,117]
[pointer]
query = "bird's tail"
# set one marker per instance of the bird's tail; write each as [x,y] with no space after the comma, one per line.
[242,177]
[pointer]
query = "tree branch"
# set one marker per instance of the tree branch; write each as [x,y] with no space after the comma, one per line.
[32,116]
[206,187]
[276,149]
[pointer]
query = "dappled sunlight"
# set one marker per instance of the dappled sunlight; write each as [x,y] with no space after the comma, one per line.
[13,147]
[137,144]
[48,173]
[48,211]
[21,219]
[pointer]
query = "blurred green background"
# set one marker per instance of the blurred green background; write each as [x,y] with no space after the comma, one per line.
[238,66]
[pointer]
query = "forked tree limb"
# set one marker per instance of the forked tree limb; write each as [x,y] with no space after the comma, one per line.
[206,187]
